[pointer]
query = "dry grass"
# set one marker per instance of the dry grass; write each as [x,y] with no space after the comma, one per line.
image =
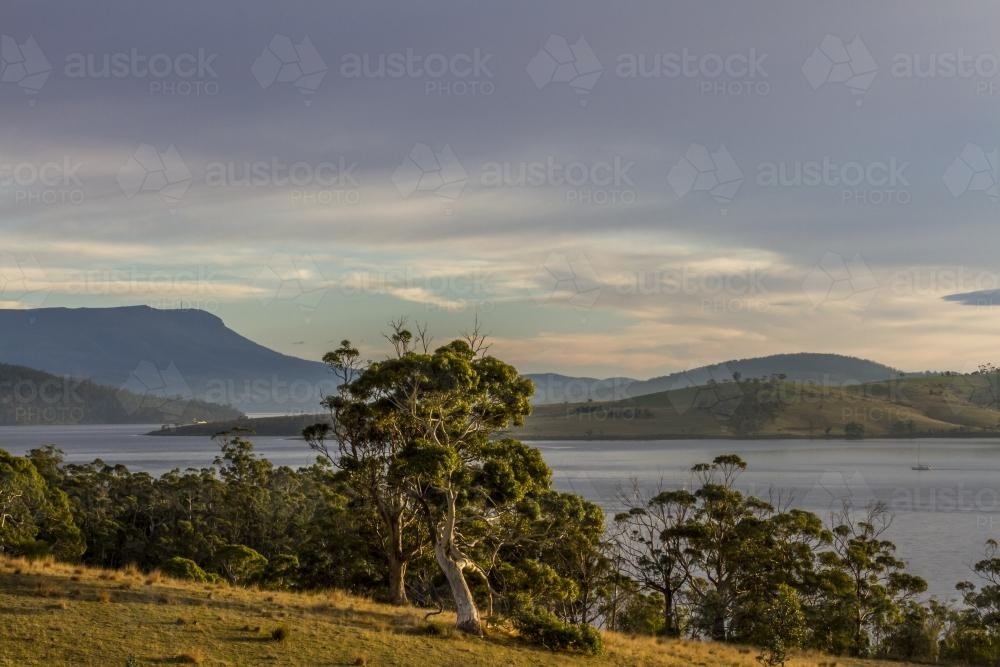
[943,405]
[95,621]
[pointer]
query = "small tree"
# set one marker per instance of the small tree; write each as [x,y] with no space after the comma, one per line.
[651,539]
[240,564]
[877,583]
[785,626]
[854,431]
[366,442]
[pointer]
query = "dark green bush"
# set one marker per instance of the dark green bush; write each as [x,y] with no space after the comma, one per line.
[183,568]
[544,628]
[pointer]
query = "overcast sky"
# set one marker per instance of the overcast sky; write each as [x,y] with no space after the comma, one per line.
[614,188]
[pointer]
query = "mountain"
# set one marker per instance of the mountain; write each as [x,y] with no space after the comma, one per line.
[32,397]
[185,353]
[828,369]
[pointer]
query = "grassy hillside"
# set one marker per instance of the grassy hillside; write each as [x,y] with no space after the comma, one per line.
[56,614]
[907,407]
[932,406]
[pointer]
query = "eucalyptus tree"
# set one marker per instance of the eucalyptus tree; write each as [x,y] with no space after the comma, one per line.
[35,518]
[363,439]
[416,433]
[878,586]
[651,538]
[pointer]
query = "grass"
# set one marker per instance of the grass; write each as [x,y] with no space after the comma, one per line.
[936,405]
[50,619]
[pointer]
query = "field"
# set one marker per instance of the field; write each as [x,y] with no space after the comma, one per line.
[58,614]
[908,407]
[932,406]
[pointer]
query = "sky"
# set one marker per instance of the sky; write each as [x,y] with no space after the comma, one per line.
[610,189]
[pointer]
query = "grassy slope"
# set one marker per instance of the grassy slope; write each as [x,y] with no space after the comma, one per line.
[935,406]
[55,614]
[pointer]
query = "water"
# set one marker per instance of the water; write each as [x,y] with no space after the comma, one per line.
[942,516]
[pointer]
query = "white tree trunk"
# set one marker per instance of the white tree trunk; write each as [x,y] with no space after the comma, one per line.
[453,563]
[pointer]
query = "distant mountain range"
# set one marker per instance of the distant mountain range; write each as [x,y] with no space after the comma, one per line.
[825,368]
[193,355]
[186,353]
[29,397]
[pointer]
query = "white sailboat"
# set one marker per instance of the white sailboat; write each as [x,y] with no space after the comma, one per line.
[920,466]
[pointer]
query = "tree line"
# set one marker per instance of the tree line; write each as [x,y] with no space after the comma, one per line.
[417,497]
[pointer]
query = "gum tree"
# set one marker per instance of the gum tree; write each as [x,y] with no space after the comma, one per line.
[363,440]
[419,428]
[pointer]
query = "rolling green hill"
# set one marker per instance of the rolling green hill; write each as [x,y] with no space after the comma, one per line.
[931,406]
[904,407]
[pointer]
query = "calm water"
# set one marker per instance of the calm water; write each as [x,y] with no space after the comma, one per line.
[942,516]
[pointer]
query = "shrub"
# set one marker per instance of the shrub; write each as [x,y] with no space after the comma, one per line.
[786,627]
[280,633]
[854,431]
[183,568]
[240,563]
[542,627]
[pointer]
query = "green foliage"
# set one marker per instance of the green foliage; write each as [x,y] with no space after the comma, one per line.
[786,627]
[915,635]
[542,627]
[35,517]
[972,635]
[183,568]
[416,441]
[854,431]
[240,564]
[642,615]
[760,403]
[872,585]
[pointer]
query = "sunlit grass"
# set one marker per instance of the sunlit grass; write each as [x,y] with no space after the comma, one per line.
[57,614]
